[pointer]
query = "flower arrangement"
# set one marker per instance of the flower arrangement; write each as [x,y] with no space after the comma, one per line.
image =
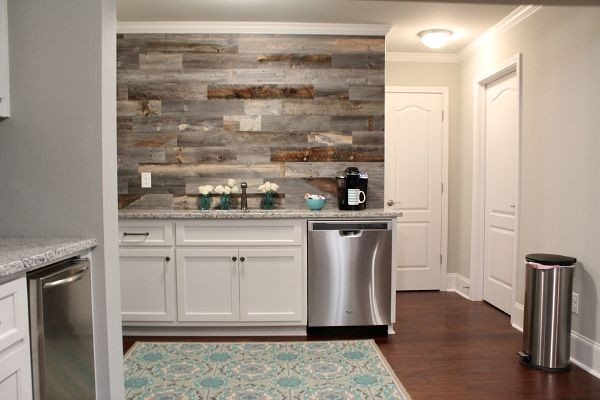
[225,192]
[205,196]
[268,188]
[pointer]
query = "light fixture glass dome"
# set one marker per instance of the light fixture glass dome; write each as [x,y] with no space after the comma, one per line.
[435,38]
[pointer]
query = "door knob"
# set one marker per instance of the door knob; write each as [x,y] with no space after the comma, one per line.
[233,258]
[167,258]
[391,202]
[242,259]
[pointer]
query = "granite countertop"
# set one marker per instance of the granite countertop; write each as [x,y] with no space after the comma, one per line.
[23,254]
[255,214]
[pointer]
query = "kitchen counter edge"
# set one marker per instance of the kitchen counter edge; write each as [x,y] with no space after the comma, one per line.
[19,255]
[256,214]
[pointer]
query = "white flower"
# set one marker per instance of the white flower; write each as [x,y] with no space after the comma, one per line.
[231,182]
[235,189]
[226,190]
[220,189]
[274,187]
[268,187]
[263,187]
[205,189]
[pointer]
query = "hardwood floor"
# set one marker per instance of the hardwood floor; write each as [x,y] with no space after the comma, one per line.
[446,347]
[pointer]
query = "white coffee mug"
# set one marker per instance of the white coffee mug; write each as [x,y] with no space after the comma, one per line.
[356,197]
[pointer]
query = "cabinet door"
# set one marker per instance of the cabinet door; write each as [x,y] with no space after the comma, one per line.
[15,375]
[147,285]
[271,282]
[207,285]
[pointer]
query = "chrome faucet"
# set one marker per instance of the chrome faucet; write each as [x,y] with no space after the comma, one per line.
[244,199]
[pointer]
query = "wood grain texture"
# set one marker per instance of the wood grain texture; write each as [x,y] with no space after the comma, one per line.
[294,109]
[449,348]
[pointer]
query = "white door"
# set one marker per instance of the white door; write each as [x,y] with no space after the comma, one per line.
[147,284]
[501,148]
[414,132]
[207,284]
[15,375]
[271,284]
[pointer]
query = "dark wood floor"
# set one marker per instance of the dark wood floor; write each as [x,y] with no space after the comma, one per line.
[449,348]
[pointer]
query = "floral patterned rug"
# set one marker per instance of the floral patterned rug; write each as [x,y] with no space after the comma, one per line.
[260,370]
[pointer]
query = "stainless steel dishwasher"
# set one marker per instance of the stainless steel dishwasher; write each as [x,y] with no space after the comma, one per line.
[349,273]
[60,315]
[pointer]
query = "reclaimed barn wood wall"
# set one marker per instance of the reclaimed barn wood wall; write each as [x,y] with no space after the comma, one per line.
[292,109]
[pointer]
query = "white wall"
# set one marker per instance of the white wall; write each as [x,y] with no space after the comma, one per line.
[58,150]
[459,197]
[560,207]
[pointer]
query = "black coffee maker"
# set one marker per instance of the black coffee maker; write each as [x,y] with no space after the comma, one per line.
[352,189]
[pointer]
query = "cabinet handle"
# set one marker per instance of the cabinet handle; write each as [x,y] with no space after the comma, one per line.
[242,259]
[233,258]
[136,234]
[167,258]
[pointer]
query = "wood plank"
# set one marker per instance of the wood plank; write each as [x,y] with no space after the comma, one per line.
[328,154]
[167,91]
[333,90]
[161,62]
[133,139]
[196,155]
[368,138]
[243,123]
[204,109]
[320,123]
[333,107]
[175,123]
[192,43]
[217,170]
[309,44]
[146,201]
[260,92]
[330,169]
[367,92]
[330,138]
[192,61]
[141,108]
[262,107]
[361,61]
[142,154]
[238,140]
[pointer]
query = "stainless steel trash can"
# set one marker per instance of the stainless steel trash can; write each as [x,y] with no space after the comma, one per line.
[547,318]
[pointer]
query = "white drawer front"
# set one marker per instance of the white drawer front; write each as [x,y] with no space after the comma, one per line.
[239,233]
[14,324]
[145,233]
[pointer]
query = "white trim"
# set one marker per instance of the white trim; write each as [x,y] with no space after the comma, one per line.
[214,331]
[458,284]
[445,92]
[395,56]
[291,28]
[478,194]
[517,315]
[511,20]
[585,353]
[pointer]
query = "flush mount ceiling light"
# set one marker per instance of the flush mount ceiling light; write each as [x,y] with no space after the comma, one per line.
[435,38]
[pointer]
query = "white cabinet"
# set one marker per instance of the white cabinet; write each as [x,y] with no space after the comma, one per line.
[4,73]
[239,284]
[15,358]
[147,284]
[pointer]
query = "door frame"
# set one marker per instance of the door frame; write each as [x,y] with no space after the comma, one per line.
[513,64]
[445,92]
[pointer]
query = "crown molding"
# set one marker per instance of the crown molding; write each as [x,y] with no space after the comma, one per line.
[421,57]
[290,28]
[511,20]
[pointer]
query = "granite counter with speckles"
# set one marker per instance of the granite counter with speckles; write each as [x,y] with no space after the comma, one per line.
[256,214]
[18,255]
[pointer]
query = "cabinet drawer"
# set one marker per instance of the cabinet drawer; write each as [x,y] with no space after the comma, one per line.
[239,233]
[145,233]
[14,324]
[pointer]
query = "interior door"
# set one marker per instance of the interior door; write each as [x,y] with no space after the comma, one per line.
[414,138]
[501,149]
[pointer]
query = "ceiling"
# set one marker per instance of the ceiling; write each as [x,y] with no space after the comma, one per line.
[407,18]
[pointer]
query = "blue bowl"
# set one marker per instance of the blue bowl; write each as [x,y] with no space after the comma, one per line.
[315,204]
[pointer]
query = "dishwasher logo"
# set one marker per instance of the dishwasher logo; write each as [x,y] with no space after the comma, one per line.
[349,312]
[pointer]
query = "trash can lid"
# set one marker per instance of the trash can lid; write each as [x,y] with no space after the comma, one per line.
[551,259]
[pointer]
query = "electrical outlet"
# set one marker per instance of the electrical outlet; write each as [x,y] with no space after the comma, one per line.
[146,179]
[575,303]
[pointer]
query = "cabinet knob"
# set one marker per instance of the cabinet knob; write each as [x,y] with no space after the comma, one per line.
[242,259]
[233,258]
[167,258]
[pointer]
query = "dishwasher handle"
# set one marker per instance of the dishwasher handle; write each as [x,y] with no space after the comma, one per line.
[350,233]
[74,275]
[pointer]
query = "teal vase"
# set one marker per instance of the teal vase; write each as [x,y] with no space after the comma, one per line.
[204,202]
[225,202]
[267,201]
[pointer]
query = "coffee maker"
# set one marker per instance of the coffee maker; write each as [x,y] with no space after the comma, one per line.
[352,189]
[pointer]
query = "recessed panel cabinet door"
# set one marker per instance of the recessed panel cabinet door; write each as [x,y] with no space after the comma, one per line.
[207,285]
[15,375]
[271,284]
[147,285]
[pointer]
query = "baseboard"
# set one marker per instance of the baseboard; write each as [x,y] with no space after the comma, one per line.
[214,331]
[458,284]
[585,353]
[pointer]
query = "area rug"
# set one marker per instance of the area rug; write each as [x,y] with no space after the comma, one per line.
[324,370]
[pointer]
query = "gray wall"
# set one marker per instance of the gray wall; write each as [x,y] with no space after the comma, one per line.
[58,150]
[560,188]
[197,109]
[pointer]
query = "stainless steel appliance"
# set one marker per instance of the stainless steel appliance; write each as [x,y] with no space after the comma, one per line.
[349,273]
[60,309]
[352,189]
